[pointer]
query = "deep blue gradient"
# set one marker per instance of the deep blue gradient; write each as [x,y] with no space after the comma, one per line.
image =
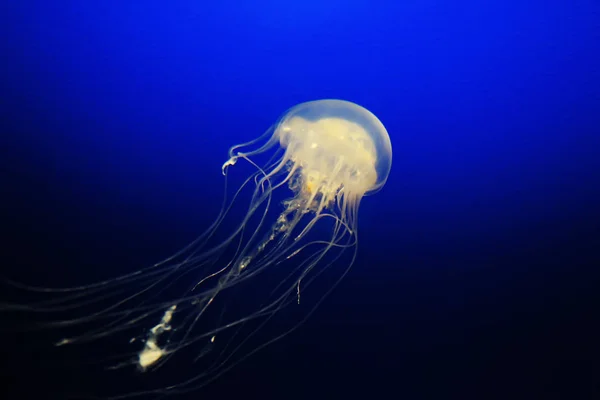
[477,275]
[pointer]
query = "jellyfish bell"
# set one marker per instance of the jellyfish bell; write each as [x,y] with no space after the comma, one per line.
[214,301]
[337,142]
[324,137]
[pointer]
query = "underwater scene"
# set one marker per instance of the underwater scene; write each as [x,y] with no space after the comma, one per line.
[300,200]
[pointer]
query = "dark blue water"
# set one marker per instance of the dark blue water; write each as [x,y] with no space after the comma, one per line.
[477,274]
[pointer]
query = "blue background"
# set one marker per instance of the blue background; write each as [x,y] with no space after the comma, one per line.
[478,261]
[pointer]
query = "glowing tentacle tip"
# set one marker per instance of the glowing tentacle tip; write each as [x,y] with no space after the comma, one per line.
[228,163]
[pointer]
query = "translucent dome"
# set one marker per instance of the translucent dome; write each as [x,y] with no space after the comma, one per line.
[341,130]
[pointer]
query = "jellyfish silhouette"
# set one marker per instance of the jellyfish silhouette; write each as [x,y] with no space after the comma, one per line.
[323,157]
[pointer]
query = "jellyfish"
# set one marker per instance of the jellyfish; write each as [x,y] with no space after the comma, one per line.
[212,303]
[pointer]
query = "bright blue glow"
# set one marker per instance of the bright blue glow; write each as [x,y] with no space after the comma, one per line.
[481,102]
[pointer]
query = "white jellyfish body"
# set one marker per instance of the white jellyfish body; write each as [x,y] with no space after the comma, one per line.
[339,143]
[330,153]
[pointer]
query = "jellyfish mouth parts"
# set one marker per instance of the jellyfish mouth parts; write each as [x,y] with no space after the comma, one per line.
[211,305]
